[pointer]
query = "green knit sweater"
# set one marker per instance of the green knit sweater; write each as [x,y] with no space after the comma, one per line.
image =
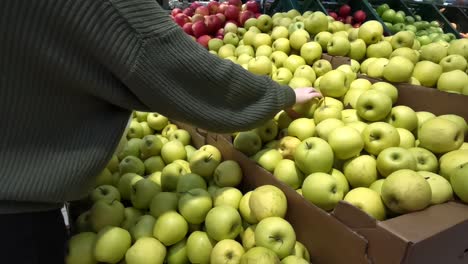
[71,71]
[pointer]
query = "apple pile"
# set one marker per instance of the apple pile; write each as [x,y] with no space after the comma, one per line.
[344,15]
[160,200]
[215,19]
[426,32]
[356,145]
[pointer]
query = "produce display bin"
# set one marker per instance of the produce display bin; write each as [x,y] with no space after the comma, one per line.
[300,5]
[396,5]
[455,15]
[430,12]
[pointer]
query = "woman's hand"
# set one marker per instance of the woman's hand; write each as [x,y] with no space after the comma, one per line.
[303,95]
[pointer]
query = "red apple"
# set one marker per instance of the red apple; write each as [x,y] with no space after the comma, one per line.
[220,32]
[203,40]
[333,14]
[213,7]
[232,12]
[235,22]
[360,16]
[244,15]
[199,29]
[222,17]
[198,17]
[181,19]
[220,37]
[356,25]
[349,20]
[202,10]
[344,11]
[252,6]
[176,11]
[195,5]
[257,15]
[188,12]
[188,28]
[212,23]
[222,7]
[341,19]
[237,3]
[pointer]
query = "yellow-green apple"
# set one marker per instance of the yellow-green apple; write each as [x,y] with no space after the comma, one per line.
[407,139]
[322,190]
[403,117]
[285,22]
[146,250]
[336,26]
[433,52]
[113,164]
[406,191]
[371,32]
[441,189]
[440,135]
[406,52]
[170,228]
[267,201]
[305,71]
[260,65]
[393,159]
[170,176]
[248,237]
[321,67]
[283,119]
[228,174]
[414,81]
[135,130]
[167,130]
[244,49]
[381,49]
[268,131]
[352,95]
[346,142]
[81,249]
[105,192]
[299,82]
[314,155]
[311,52]
[315,23]
[323,38]
[143,227]
[373,105]
[231,38]
[358,125]
[425,160]
[155,177]
[276,234]
[294,260]
[143,192]
[226,251]
[260,39]
[287,146]
[248,142]
[268,158]
[203,163]
[453,81]
[155,164]
[324,128]
[398,69]
[379,136]
[361,171]
[451,160]
[286,171]
[298,38]
[302,128]
[244,59]
[249,37]
[459,181]
[453,62]
[199,247]
[146,129]
[151,146]
[357,49]
[293,62]
[223,222]
[83,222]
[264,23]
[264,50]
[387,89]
[349,115]
[173,150]
[377,186]
[194,205]
[376,67]
[368,201]
[365,64]
[177,253]
[350,73]
[282,76]
[342,181]
[338,46]
[111,244]
[427,73]
[228,196]
[279,32]
[185,164]
[227,50]
[214,44]
[245,211]
[281,44]
[163,202]
[129,164]
[125,184]
[457,119]
[403,39]
[278,58]
[459,46]
[334,84]
[355,65]
[294,26]
[260,255]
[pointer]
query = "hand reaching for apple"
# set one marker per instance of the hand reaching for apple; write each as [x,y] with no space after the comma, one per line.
[303,95]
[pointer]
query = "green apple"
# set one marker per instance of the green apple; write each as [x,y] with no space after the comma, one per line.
[295,25]
[355,65]
[387,89]
[376,68]
[305,71]
[275,234]
[129,164]
[170,228]
[260,255]
[261,39]
[425,160]
[298,38]
[433,52]
[286,171]
[249,37]
[111,244]
[322,190]
[199,247]
[173,150]
[146,250]
[283,119]
[407,139]
[83,222]
[342,181]
[244,49]
[381,49]
[373,105]
[226,51]
[453,81]
[453,62]
[163,202]
[346,142]
[321,67]
[440,135]
[106,213]
[113,164]
[135,130]
[457,119]
[244,209]
[406,191]
[268,158]
[349,115]
[81,249]
[278,58]
[460,47]
[154,164]
[264,50]
[361,171]
[260,65]
[351,97]
[336,26]
[287,146]
[352,33]
[228,174]
[451,160]
[398,69]
[377,186]
[190,181]
[227,196]
[248,237]
[358,125]
[248,142]
[105,192]
[388,15]
[177,253]
[302,128]
[125,184]
[203,163]
[293,62]
[231,38]
[170,176]
[264,23]
[324,128]
[282,76]
[334,84]
[459,181]
[214,44]
[294,260]
[371,32]
[279,32]
[281,44]
[427,73]
[323,38]
[403,39]
[314,155]
[315,23]
[226,251]
[146,129]
[379,136]
[244,58]
[406,52]
[143,227]
[393,159]
[299,82]
[311,52]
[403,117]
[441,189]
[368,201]
[194,205]
[365,64]
[143,192]
[223,222]
[338,46]
[267,201]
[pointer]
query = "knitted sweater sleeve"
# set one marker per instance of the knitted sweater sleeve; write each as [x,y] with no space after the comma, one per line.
[175,76]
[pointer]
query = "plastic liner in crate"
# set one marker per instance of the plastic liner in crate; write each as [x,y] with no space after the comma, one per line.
[429,12]
[455,14]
